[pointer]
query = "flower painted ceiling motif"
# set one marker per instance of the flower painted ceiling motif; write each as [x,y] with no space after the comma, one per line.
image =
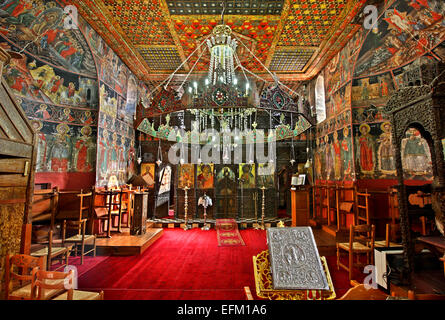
[293,38]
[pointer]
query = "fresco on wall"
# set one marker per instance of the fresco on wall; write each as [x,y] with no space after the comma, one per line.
[416,155]
[365,150]
[129,111]
[30,78]
[338,70]
[385,151]
[406,30]
[341,99]
[334,159]
[375,154]
[63,148]
[117,103]
[115,156]
[373,90]
[39,25]
[368,114]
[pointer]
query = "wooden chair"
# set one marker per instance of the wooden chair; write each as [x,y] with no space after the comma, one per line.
[127,205]
[359,292]
[393,204]
[424,296]
[362,207]
[329,204]
[417,296]
[104,208]
[75,205]
[391,235]
[62,281]
[79,239]
[345,206]
[361,242]
[49,250]
[75,208]
[18,275]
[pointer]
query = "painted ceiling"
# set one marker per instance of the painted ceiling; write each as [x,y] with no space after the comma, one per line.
[295,39]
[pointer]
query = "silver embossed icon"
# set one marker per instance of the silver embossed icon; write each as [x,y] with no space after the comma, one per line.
[294,259]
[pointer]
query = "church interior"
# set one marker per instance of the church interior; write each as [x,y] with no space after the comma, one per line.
[222,150]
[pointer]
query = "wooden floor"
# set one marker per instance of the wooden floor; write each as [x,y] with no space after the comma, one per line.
[326,243]
[124,244]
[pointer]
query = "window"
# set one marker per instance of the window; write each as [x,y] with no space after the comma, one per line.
[320,107]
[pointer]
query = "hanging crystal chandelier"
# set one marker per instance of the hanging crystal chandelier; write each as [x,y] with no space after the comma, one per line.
[222,48]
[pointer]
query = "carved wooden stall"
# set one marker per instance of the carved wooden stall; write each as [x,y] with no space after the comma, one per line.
[422,108]
[17,166]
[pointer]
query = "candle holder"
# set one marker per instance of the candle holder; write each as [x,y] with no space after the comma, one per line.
[205,201]
[255,203]
[263,207]
[186,225]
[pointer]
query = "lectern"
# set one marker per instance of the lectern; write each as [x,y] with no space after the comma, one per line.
[140,213]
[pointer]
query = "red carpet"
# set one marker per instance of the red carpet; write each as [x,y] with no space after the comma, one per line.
[185,265]
[227,233]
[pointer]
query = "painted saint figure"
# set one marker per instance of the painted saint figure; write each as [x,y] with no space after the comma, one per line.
[41,146]
[337,156]
[366,149]
[386,150]
[59,153]
[329,161]
[346,152]
[84,153]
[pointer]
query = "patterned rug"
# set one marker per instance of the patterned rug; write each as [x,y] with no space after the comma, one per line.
[227,233]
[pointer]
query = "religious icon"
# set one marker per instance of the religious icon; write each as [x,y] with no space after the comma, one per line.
[186,176]
[247,175]
[366,149]
[148,173]
[416,156]
[205,176]
[266,173]
[385,151]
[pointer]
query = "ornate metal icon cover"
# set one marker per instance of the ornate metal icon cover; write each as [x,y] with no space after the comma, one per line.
[294,259]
